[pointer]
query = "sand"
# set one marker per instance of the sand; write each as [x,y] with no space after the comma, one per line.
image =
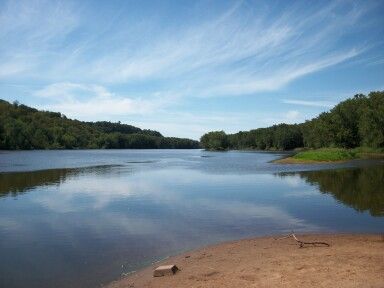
[350,261]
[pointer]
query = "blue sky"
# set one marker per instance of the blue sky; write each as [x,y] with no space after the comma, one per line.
[188,67]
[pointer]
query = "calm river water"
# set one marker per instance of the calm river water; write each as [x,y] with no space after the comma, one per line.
[84,218]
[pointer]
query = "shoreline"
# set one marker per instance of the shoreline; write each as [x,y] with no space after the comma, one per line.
[291,160]
[352,260]
[316,156]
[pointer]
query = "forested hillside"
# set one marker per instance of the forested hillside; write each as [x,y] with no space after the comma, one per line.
[355,122]
[23,127]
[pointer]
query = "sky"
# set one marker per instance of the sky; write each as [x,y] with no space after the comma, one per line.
[188,67]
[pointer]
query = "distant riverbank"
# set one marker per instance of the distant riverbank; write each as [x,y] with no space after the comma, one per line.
[350,261]
[26,128]
[355,122]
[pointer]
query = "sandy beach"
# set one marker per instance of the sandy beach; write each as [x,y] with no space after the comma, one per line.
[350,261]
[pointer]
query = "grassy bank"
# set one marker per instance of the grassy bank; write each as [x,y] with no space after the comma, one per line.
[332,155]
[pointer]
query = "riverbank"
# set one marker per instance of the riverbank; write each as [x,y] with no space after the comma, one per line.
[335,155]
[350,261]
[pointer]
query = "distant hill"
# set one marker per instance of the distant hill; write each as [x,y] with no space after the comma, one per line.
[355,122]
[23,127]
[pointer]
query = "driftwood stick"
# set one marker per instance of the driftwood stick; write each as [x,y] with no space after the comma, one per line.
[302,243]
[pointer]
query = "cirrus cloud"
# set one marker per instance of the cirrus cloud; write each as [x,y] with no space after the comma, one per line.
[89,101]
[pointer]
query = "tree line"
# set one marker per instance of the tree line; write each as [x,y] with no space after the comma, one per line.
[355,122]
[23,127]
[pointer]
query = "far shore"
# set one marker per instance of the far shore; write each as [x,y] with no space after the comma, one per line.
[349,261]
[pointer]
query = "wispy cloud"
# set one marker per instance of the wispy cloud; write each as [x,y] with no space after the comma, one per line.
[236,52]
[325,104]
[33,33]
[91,101]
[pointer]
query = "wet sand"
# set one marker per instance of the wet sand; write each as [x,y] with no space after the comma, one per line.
[350,261]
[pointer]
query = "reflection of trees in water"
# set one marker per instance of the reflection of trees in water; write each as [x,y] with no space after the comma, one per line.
[20,182]
[359,188]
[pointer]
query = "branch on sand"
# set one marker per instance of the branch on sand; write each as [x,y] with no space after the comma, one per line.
[302,243]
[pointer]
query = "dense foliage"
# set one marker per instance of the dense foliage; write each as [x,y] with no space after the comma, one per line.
[23,127]
[358,121]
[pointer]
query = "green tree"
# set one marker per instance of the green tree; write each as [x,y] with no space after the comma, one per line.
[216,140]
